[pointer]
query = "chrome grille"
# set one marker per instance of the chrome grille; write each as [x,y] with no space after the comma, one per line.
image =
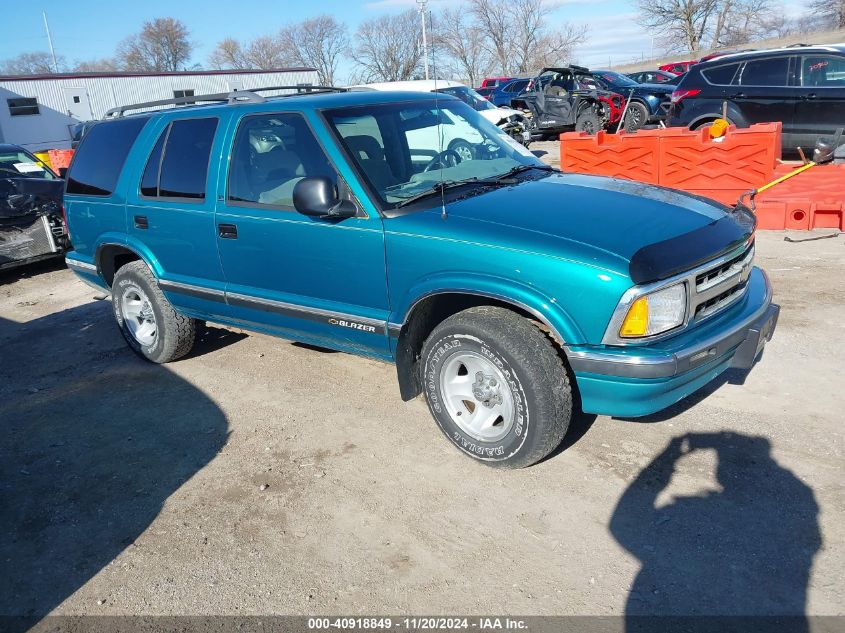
[718,287]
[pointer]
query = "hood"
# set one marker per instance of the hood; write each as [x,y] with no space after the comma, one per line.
[647,232]
[494,115]
[29,196]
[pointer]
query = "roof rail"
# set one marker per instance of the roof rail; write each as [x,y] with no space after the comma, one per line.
[236,96]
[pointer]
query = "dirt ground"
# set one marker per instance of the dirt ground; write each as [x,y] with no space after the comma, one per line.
[258,476]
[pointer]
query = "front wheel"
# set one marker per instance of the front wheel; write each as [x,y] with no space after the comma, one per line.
[496,386]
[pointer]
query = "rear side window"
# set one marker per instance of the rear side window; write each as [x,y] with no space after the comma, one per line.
[721,75]
[97,163]
[765,72]
[823,71]
[182,170]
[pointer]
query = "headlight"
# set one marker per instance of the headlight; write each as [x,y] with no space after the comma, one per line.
[655,312]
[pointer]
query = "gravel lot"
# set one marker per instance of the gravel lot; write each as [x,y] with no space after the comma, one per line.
[258,476]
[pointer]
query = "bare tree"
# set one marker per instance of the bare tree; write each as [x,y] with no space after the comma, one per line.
[460,43]
[518,34]
[831,11]
[682,23]
[38,63]
[317,43]
[162,45]
[389,48]
[104,65]
[228,55]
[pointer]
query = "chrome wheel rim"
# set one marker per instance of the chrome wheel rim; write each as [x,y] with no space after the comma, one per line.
[138,315]
[477,396]
[464,151]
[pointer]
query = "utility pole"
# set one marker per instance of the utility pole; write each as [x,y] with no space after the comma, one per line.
[423,7]
[50,42]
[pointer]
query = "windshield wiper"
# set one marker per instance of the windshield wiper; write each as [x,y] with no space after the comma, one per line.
[521,168]
[442,186]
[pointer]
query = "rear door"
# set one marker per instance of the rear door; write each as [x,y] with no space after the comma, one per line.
[820,108]
[763,91]
[170,209]
[311,279]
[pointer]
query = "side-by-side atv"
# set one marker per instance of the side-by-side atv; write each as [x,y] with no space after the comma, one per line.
[566,99]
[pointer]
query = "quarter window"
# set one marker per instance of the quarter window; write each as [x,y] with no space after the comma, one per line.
[98,160]
[823,71]
[721,75]
[765,72]
[271,153]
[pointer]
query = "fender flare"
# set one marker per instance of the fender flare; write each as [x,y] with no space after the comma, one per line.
[132,245]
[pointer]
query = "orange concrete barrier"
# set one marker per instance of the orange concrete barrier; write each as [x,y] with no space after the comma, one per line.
[721,169]
[60,158]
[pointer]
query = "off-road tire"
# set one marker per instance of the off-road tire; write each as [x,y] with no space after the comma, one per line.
[174,333]
[588,121]
[534,371]
[635,117]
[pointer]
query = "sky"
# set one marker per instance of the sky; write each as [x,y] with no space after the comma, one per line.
[83,30]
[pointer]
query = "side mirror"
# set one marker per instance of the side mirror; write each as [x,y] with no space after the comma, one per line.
[317,196]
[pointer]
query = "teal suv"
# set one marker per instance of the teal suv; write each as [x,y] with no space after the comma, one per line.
[506,292]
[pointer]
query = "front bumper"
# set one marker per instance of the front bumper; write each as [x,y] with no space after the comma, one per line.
[633,381]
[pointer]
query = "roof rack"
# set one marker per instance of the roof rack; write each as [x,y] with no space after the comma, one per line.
[232,98]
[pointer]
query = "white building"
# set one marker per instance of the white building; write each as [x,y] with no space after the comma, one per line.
[39,111]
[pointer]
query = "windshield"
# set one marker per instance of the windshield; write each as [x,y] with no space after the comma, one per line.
[615,79]
[405,149]
[468,96]
[22,165]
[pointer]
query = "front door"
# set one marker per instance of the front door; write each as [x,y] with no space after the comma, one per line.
[311,279]
[820,109]
[78,104]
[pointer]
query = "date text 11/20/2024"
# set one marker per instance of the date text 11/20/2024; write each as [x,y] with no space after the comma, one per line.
[418,624]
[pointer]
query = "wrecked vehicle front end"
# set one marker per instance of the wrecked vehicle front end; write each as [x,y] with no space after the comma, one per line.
[31,224]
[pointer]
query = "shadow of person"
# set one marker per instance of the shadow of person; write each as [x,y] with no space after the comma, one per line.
[744,549]
[93,441]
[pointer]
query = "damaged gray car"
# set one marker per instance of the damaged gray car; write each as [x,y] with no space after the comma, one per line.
[31,223]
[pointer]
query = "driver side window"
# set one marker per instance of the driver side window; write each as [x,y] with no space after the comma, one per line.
[270,154]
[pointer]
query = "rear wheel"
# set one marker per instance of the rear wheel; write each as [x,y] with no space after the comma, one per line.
[496,386]
[147,320]
[588,121]
[635,117]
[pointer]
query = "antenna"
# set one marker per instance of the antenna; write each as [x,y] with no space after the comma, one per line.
[50,42]
[423,4]
[443,213]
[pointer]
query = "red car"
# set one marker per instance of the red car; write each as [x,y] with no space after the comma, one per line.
[492,82]
[678,68]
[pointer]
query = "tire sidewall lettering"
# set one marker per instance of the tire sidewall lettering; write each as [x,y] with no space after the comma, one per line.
[492,451]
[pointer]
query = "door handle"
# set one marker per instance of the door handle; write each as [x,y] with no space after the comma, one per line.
[738,95]
[141,222]
[227,231]
[810,96]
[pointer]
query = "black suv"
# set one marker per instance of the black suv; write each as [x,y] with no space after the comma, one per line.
[801,86]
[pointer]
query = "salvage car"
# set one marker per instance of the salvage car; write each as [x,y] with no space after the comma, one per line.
[649,103]
[563,99]
[31,224]
[493,283]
